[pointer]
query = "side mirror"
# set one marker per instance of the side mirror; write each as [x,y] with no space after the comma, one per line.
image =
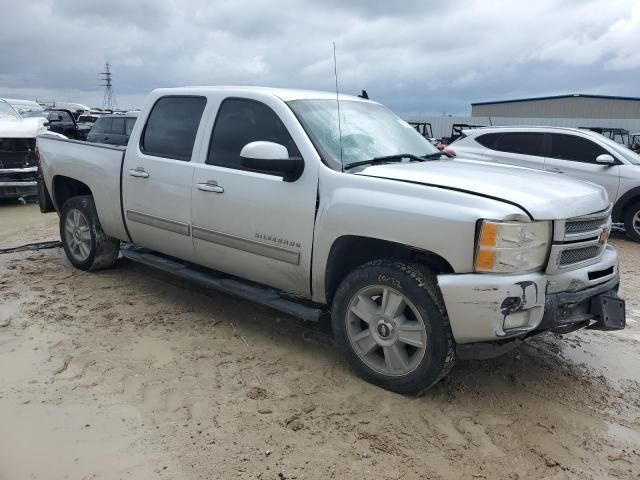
[605,159]
[273,158]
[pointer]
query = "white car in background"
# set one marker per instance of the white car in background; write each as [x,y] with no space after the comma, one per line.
[573,152]
[18,162]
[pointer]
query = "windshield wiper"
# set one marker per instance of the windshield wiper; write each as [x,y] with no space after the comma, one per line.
[434,155]
[386,159]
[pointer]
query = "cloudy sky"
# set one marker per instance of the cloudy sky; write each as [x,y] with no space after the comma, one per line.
[416,56]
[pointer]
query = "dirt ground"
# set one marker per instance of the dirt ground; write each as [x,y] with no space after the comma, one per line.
[130,374]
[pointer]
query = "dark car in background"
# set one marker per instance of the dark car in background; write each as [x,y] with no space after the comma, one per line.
[62,121]
[112,129]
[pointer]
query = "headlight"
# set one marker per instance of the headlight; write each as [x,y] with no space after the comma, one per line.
[512,247]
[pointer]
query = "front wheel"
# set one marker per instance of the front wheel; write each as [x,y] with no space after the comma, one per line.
[85,243]
[390,322]
[632,222]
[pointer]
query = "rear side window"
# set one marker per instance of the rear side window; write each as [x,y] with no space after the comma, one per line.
[243,121]
[172,126]
[488,139]
[129,126]
[577,149]
[117,126]
[521,143]
[102,125]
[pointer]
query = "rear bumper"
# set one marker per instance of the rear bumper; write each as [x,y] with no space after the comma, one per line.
[498,308]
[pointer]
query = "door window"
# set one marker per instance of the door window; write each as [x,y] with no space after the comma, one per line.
[240,122]
[577,149]
[172,126]
[521,143]
[65,116]
[117,126]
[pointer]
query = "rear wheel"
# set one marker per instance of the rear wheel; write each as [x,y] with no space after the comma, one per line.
[632,222]
[390,323]
[85,243]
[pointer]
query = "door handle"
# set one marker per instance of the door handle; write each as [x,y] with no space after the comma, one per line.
[556,170]
[210,186]
[138,172]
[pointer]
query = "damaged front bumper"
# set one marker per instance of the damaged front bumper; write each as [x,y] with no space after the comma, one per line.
[18,182]
[490,313]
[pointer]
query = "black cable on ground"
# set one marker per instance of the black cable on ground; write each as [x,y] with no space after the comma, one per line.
[32,246]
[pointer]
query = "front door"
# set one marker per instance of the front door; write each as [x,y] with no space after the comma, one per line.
[157,177]
[252,224]
[575,157]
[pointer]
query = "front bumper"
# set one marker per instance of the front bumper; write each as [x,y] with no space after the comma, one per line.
[18,182]
[485,308]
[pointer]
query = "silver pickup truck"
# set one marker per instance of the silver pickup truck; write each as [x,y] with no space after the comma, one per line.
[313,204]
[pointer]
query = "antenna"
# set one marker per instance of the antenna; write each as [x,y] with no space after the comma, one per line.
[335,72]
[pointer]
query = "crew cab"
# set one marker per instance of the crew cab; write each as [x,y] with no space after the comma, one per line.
[573,152]
[263,193]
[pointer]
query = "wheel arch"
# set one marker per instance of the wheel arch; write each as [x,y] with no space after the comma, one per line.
[351,251]
[65,188]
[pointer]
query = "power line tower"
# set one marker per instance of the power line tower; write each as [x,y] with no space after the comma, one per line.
[109,98]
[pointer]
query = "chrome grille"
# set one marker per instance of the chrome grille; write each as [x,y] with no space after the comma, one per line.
[578,255]
[581,226]
[579,241]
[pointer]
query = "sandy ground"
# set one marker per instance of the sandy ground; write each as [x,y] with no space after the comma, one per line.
[130,374]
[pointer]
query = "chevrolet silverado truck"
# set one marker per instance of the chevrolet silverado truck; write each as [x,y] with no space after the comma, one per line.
[314,203]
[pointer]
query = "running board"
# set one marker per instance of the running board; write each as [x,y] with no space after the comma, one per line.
[266,296]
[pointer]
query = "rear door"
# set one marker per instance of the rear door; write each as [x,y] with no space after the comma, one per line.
[247,223]
[575,157]
[157,176]
[523,149]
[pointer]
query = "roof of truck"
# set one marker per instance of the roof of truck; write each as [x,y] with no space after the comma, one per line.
[285,94]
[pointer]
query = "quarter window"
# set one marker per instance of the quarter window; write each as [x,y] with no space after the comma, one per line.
[172,126]
[102,125]
[577,149]
[129,126]
[240,122]
[521,143]
[488,139]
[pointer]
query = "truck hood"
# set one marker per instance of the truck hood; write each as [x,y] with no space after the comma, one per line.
[545,196]
[29,127]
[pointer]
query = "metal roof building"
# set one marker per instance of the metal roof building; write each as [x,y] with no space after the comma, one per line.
[561,106]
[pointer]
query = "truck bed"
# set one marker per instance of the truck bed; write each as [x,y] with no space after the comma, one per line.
[98,166]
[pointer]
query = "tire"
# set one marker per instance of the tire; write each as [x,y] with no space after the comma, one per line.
[632,222]
[85,243]
[420,319]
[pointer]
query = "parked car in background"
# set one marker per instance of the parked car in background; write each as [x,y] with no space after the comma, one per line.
[18,163]
[112,129]
[573,152]
[635,142]
[417,257]
[26,108]
[63,122]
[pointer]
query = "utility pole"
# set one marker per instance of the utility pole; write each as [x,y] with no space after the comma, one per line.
[109,98]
